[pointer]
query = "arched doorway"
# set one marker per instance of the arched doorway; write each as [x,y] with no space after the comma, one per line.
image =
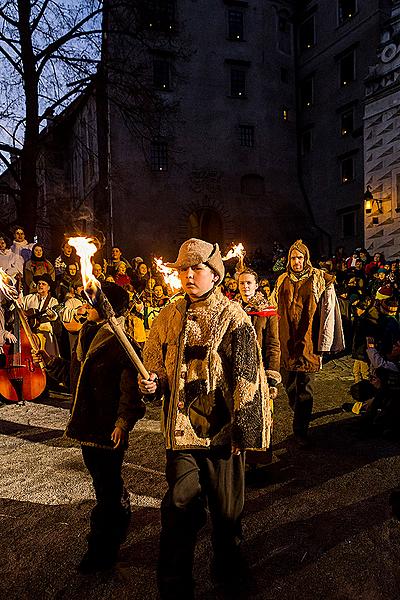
[206,224]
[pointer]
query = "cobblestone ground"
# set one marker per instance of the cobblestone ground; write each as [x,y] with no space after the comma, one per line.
[317,522]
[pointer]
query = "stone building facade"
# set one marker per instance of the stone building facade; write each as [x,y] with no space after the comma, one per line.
[227,168]
[382,144]
[265,140]
[337,41]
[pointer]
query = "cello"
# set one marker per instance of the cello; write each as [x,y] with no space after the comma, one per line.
[20,378]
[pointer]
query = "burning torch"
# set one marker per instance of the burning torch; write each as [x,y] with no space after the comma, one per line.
[236,252]
[85,249]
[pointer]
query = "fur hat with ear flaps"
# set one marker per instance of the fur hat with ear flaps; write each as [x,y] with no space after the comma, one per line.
[194,251]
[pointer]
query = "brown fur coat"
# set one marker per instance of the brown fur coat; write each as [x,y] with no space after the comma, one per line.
[210,368]
[309,323]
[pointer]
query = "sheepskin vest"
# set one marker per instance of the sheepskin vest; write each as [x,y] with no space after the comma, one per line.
[209,364]
[298,308]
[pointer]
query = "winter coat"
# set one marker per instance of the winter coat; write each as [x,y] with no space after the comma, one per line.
[310,321]
[104,387]
[265,322]
[210,369]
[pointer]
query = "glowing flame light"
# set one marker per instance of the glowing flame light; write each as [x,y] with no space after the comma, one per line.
[85,249]
[7,286]
[235,252]
[171,277]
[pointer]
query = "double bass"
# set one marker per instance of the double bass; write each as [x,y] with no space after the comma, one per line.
[20,378]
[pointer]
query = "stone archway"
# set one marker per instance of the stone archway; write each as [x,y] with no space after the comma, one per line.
[206,224]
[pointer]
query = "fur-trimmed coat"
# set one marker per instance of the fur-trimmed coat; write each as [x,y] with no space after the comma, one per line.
[209,365]
[310,321]
[104,387]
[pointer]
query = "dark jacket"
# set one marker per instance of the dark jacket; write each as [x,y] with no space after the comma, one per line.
[104,387]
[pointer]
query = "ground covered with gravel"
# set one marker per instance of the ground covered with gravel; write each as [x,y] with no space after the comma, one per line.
[317,522]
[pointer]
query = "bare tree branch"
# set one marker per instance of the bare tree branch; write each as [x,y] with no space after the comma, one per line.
[47,52]
[40,14]
[8,19]
[11,61]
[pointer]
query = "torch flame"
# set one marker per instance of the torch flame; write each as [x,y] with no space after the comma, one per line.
[85,249]
[8,286]
[171,277]
[235,252]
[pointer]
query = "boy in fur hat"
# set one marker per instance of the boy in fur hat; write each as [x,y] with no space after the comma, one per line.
[204,359]
[309,325]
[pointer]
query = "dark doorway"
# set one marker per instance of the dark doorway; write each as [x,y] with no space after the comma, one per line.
[206,224]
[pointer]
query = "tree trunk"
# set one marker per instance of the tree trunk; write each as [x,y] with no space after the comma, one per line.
[27,208]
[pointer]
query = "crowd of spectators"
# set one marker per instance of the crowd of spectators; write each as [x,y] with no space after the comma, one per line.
[367,286]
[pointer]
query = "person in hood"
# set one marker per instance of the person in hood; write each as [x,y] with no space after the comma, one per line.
[309,325]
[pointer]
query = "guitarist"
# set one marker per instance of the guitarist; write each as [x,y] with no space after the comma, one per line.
[38,308]
[74,313]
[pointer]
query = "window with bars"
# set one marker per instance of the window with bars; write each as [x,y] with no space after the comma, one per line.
[159,15]
[346,10]
[235,25]
[307,34]
[238,83]
[347,68]
[159,156]
[246,135]
[162,74]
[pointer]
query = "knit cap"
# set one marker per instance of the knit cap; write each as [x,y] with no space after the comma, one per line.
[195,251]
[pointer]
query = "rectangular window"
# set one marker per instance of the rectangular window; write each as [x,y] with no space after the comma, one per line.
[159,15]
[347,122]
[246,135]
[306,141]
[397,209]
[284,75]
[235,25]
[349,221]
[347,169]
[346,10]
[159,156]
[307,93]
[347,68]
[307,34]
[162,74]
[284,33]
[238,83]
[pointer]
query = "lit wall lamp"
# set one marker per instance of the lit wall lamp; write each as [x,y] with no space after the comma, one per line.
[369,201]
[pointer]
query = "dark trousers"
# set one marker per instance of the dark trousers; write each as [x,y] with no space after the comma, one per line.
[299,388]
[197,479]
[110,518]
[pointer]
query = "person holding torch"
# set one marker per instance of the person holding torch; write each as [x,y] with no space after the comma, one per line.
[106,405]
[204,359]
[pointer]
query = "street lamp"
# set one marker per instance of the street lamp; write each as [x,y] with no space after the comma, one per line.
[369,201]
